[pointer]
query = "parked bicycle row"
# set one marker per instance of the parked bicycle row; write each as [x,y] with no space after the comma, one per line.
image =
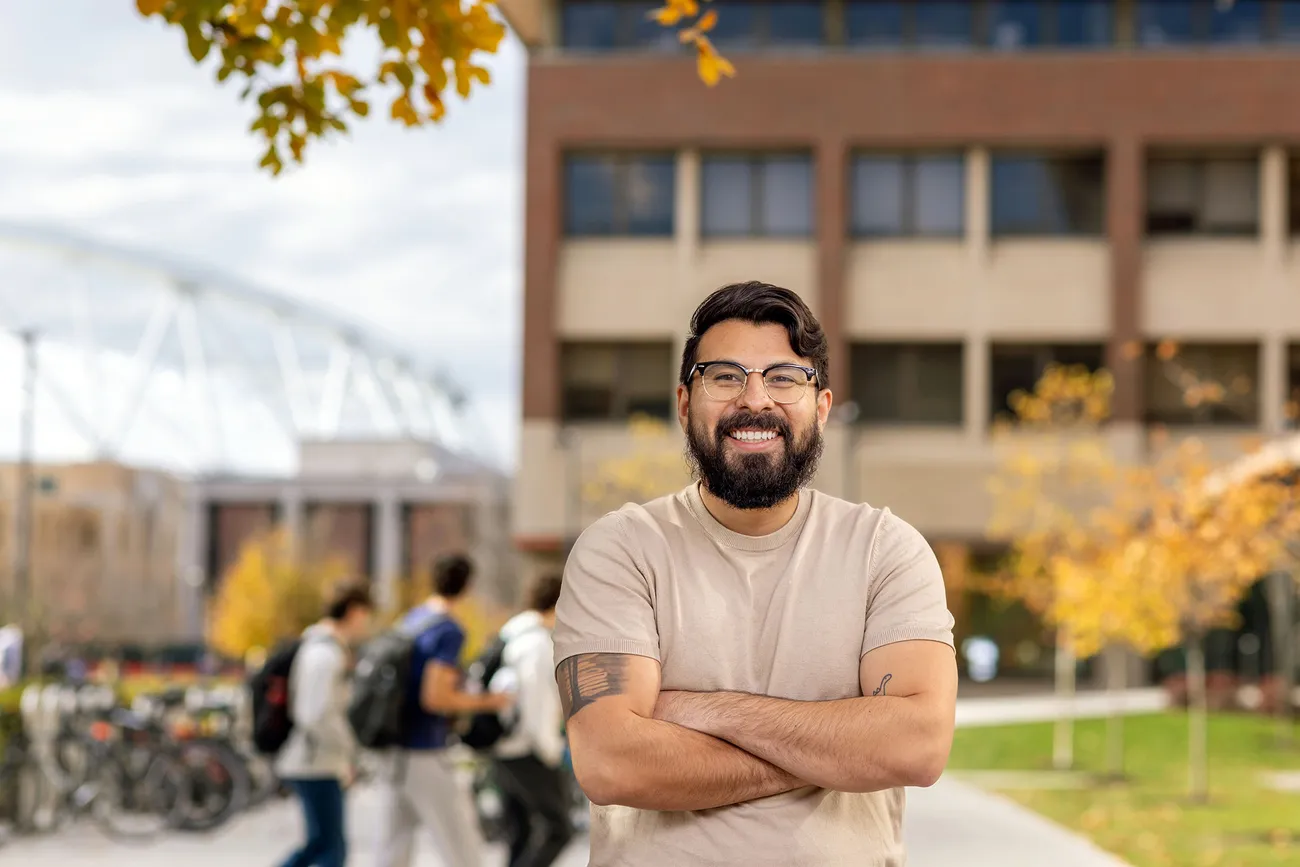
[177,760]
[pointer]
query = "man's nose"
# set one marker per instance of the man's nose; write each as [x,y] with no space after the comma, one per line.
[755,396]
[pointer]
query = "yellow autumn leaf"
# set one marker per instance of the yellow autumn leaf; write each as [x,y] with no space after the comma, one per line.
[711,65]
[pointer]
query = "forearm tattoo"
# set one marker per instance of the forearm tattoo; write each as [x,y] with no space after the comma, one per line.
[585,679]
[880,690]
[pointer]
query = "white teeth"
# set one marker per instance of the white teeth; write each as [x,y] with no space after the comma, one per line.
[753,436]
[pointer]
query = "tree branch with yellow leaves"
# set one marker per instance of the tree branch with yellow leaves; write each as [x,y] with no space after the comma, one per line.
[289,54]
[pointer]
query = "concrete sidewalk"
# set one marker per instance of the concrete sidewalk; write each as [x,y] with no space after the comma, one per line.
[948,824]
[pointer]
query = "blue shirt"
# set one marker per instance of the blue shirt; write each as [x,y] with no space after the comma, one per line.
[440,642]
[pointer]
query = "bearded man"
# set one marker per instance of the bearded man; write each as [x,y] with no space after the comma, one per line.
[752,670]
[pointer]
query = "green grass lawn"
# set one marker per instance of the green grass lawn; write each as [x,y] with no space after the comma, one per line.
[1148,820]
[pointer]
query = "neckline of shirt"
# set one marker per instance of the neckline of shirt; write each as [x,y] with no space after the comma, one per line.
[732,539]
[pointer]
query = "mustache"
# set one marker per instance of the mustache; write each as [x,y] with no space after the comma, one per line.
[754,421]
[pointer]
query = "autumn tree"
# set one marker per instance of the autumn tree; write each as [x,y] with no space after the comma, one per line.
[1206,543]
[272,592]
[289,55]
[1056,464]
[650,465]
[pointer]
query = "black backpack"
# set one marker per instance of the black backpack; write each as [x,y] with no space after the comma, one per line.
[270,697]
[381,685]
[485,728]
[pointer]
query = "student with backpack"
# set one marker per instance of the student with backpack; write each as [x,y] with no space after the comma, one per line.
[319,752]
[527,760]
[419,784]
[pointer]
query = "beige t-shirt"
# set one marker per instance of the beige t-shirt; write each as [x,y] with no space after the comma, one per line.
[788,615]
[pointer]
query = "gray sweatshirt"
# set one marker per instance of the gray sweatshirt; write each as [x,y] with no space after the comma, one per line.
[322,744]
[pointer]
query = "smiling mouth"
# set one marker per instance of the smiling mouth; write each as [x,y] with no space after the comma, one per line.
[753,436]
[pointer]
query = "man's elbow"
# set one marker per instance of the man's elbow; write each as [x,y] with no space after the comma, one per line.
[927,762]
[604,784]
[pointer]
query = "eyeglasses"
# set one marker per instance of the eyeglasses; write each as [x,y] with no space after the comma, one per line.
[725,380]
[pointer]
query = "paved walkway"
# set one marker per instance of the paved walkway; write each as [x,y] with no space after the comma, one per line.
[950,823]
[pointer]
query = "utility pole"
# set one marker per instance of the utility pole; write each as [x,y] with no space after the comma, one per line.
[26,490]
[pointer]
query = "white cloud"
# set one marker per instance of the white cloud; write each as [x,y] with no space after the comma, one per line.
[108,129]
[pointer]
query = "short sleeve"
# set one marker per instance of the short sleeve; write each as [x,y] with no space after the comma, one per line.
[908,600]
[605,601]
[442,643]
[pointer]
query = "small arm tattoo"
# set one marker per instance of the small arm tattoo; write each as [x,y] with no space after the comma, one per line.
[587,678]
[880,690]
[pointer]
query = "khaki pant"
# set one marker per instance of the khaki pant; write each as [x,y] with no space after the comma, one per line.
[422,788]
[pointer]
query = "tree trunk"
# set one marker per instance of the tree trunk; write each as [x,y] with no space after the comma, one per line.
[1117,684]
[1282,613]
[1063,740]
[1197,721]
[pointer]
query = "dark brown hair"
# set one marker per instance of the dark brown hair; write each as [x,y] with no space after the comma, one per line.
[346,596]
[451,574]
[543,593]
[760,303]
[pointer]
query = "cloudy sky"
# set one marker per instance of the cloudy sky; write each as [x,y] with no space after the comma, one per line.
[109,130]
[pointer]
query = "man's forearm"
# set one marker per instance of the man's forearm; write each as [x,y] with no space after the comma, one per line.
[663,766]
[851,745]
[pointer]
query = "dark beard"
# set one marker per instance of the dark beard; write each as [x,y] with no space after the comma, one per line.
[753,481]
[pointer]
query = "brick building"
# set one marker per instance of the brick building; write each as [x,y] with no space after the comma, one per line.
[963,191]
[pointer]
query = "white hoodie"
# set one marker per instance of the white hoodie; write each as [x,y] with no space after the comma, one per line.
[528,670]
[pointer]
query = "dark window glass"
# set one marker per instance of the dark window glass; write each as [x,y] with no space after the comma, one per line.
[590,195]
[908,383]
[1047,195]
[796,23]
[943,23]
[1241,23]
[1085,22]
[1166,22]
[1210,196]
[613,381]
[768,194]
[874,24]
[1288,21]
[619,194]
[1177,393]
[590,25]
[1018,367]
[895,194]
[1016,24]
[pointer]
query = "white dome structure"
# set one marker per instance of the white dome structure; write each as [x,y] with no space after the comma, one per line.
[155,362]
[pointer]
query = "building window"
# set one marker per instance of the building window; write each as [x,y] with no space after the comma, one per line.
[895,194]
[908,383]
[615,381]
[609,25]
[998,24]
[1198,195]
[748,195]
[746,24]
[1291,412]
[1204,384]
[1036,194]
[1183,22]
[1293,193]
[1019,366]
[1017,24]
[619,194]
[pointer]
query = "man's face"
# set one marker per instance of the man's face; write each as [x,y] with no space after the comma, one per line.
[357,623]
[729,442]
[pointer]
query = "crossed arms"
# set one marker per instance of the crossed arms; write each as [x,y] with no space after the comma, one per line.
[637,746]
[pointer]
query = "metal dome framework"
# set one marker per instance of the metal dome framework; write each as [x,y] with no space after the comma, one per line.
[200,352]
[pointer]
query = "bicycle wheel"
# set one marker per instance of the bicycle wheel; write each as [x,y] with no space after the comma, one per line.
[219,784]
[135,801]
